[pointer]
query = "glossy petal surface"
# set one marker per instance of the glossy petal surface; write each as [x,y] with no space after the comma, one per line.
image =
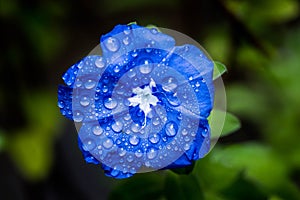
[143,104]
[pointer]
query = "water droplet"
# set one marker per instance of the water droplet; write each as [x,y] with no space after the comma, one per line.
[146,66]
[112,44]
[184,132]
[97,130]
[117,126]
[89,84]
[134,140]
[84,101]
[169,83]
[130,158]
[156,121]
[186,147]
[122,151]
[131,73]
[173,100]
[171,128]
[117,69]
[108,143]
[104,88]
[204,133]
[138,153]
[61,104]
[151,154]
[127,31]
[126,40]
[100,63]
[135,127]
[88,144]
[110,103]
[77,116]
[154,30]
[197,84]
[134,53]
[154,138]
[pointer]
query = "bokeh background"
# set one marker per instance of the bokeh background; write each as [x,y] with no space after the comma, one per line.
[258,41]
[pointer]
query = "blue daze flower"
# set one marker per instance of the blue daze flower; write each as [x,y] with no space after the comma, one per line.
[142,105]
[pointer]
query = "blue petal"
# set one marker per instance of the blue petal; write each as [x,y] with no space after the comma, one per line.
[70,75]
[125,38]
[110,172]
[89,158]
[65,101]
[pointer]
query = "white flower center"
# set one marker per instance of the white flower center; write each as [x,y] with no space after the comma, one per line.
[144,98]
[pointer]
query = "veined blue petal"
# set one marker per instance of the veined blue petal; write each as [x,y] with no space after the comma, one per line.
[65,101]
[126,38]
[89,158]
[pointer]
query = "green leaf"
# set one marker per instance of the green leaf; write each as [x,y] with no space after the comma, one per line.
[222,123]
[182,187]
[232,123]
[242,188]
[31,148]
[219,69]
[140,186]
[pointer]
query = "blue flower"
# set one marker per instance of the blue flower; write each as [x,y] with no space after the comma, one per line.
[142,105]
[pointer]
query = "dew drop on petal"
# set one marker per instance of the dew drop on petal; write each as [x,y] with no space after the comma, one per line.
[154,138]
[169,83]
[151,154]
[100,63]
[117,126]
[97,130]
[88,144]
[122,152]
[130,158]
[77,116]
[138,153]
[89,84]
[61,104]
[108,143]
[134,140]
[154,30]
[126,40]
[131,73]
[184,132]
[156,121]
[112,44]
[186,147]
[110,103]
[171,128]
[135,127]
[127,31]
[204,133]
[146,66]
[84,101]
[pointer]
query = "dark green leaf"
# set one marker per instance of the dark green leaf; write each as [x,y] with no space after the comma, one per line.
[182,187]
[140,186]
[244,189]
[229,121]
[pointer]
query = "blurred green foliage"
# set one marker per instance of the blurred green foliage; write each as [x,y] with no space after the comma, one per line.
[257,156]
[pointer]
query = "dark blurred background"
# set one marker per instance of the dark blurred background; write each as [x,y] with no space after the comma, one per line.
[259,42]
